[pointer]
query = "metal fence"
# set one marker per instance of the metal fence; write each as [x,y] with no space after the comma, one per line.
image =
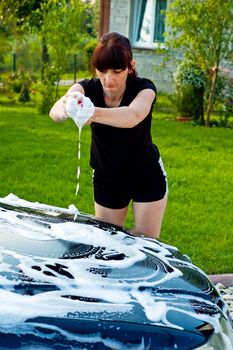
[30,61]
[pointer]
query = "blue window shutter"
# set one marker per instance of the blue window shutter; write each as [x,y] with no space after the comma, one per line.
[159,20]
[141,5]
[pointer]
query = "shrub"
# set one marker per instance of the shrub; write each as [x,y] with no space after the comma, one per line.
[25,80]
[49,89]
[189,97]
[47,99]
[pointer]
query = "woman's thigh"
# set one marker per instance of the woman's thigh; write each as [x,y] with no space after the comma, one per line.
[148,217]
[113,216]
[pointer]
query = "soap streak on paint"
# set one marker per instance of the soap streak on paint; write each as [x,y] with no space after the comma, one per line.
[92,338]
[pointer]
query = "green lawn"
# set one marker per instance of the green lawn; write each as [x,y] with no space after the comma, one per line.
[39,162]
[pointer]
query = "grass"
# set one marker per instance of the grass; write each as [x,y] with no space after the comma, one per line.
[199,164]
[39,163]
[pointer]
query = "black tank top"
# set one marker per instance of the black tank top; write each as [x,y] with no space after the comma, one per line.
[121,150]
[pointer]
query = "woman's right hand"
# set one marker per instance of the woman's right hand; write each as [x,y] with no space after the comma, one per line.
[58,111]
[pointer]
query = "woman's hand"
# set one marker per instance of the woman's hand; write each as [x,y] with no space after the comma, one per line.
[79,108]
[58,111]
[75,105]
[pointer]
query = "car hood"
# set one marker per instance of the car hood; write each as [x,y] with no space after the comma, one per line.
[67,275]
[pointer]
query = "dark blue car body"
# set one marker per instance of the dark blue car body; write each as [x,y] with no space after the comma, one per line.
[70,281]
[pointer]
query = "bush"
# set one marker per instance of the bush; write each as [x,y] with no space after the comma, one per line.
[25,80]
[49,89]
[188,74]
[47,99]
[17,85]
[7,87]
[20,83]
[189,97]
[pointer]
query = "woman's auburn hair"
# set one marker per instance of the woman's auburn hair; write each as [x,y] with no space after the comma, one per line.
[113,52]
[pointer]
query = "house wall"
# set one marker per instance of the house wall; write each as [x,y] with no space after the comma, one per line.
[119,16]
[148,63]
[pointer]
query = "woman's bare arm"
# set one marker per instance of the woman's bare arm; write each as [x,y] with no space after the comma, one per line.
[128,116]
[121,117]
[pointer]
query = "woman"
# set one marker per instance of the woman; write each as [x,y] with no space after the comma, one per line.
[127,165]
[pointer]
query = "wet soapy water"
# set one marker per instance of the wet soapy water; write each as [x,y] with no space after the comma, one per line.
[79,158]
[80,109]
[74,278]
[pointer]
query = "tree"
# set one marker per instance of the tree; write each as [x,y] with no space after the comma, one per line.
[4,42]
[19,18]
[202,32]
[65,28]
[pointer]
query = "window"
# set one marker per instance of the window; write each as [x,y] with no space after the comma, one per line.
[147,22]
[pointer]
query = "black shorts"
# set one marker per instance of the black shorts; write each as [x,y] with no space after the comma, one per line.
[116,191]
